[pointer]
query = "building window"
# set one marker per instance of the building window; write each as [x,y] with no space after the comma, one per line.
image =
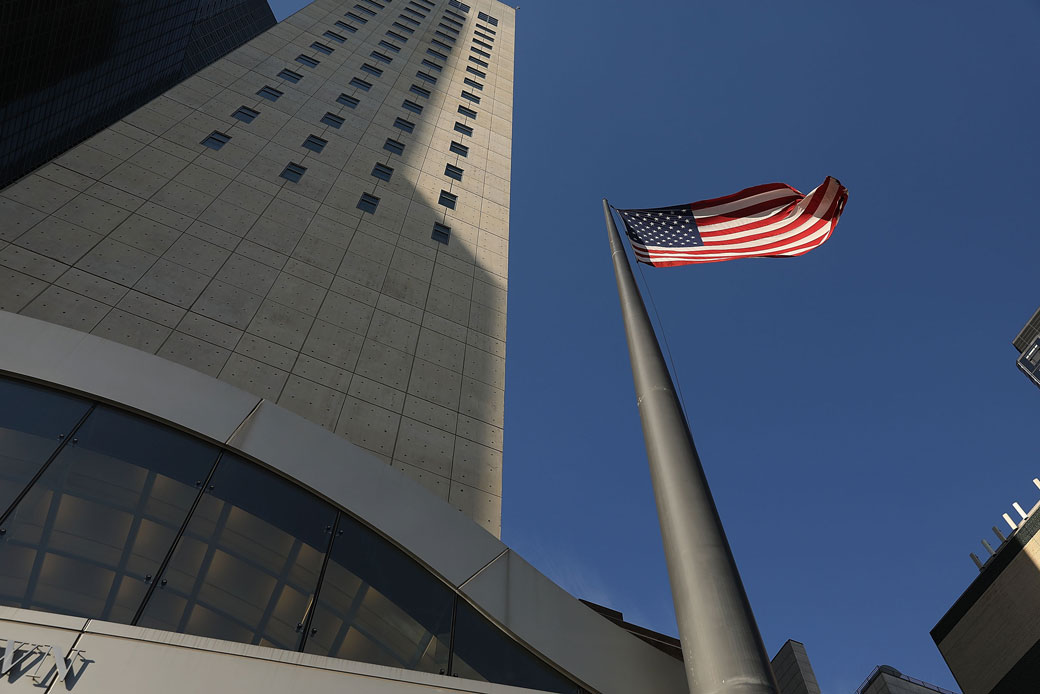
[362,8]
[332,119]
[452,171]
[338,38]
[483,36]
[393,146]
[377,4]
[371,69]
[459,148]
[409,20]
[412,106]
[315,143]
[356,18]
[426,76]
[464,129]
[473,83]
[307,60]
[446,37]
[441,44]
[382,57]
[435,54]
[349,27]
[322,48]
[416,13]
[468,112]
[482,44]
[368,203]
[245,114]
[432,65]
[474,71]
[360,84]
[348,101]
[441,233]
[468,96]
[397,37]
[478,61]
[216,140]
[453,21]
[416,89]
[461,5]
[405,125]
[473,49]
[453,30]
[269,93]
[293,172]
[448,200]
[383,172]
[288,74]
[389,46]
[484,28]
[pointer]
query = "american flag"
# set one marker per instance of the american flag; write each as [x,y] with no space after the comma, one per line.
[771,220]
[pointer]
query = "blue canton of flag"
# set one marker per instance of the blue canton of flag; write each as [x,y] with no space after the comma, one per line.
[667,227]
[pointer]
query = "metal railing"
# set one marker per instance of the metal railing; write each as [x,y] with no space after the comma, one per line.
[889,670]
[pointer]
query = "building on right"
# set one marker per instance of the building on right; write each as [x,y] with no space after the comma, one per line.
[1027,344]
[990,637]
[885,679]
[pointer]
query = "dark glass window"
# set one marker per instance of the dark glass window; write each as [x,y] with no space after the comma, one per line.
[378,606]
[478,61]
[471,97]
[33,422]
[307,60]
[412,106]
[356,17]
[416,89]
[459,148]
[451,29]
[349,27]
[475,71]
[461,5]
[441,233]
[483,16]
[468,112]
[441,44]
[483,652]
[484,28]
[288,74]
[332,119]
[293,172]
[397,37]
[482,44]
[389,46]
[405,125]
[435,54]
[348,101]
[476,50]
[473,83]
[360,83]
[464,129]
[382,171]
[415,12]
[381,57]
[448,200]
[446,37]
[245,114]
[368,203]
[402,27]
[371,69]
[93,531]
[376,4]
[483,36]
[452,171]
[393,146]
[426,76]
[432,65]
[270,93]
[315,143]
[322,48]
[246,568]
[409,20]
[366,10]
[339,38]
[453,21]
[216,140]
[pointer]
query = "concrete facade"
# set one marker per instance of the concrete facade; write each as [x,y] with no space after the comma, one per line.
[361,322]
[794,672]
[885,679]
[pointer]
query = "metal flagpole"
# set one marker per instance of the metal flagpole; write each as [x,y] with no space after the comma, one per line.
[722,649]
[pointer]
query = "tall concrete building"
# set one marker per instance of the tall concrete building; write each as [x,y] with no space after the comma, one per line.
[1027,344]
[251,383]
[71,68]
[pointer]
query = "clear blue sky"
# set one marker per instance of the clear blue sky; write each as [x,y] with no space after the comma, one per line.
[857,410]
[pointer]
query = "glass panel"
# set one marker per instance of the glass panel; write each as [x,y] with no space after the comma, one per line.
[248,563]
[485,652]
[377,605]
[31,420]
[101,518]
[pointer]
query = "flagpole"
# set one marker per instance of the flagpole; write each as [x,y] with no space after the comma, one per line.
[722,648]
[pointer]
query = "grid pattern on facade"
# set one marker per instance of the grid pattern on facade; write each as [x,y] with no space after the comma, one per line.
[361,321]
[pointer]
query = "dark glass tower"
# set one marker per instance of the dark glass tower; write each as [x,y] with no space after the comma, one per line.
[71,68]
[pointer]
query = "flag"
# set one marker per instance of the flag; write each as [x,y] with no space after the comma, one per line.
[771,220]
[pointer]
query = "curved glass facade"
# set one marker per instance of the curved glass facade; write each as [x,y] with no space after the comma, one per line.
[108,515]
